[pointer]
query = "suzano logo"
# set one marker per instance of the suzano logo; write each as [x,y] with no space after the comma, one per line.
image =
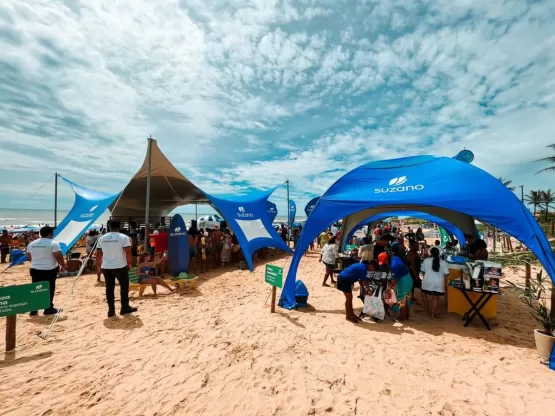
[395,185]
[38,287]
[243,214]
[398,181]
[177,232]
[90,213]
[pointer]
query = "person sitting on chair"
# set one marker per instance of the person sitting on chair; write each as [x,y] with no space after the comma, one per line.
[146,274]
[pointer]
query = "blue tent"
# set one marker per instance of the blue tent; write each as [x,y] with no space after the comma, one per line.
[444,187]
[446,225]
[272,210]
[89,205]
[310,206]
[247,215]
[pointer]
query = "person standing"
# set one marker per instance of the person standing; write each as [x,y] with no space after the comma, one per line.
[366,250]
[5,243]
[328,257]
[433,285]
[402,284]
[415,263]
[114,256]
[46,260]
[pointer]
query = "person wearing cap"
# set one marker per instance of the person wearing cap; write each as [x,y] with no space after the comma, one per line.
[46,260]
[354,273]
[383,262]
[114,256]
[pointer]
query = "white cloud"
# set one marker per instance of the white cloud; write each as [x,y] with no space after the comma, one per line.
[251,92]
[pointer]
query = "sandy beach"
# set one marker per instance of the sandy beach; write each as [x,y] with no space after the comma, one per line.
[217,350]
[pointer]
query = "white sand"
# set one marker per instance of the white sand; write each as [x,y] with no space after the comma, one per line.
[217,350]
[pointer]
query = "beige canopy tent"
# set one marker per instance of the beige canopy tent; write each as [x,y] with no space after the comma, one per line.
[168,189]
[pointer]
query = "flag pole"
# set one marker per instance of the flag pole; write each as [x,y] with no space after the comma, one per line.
[288,216]
[55,199]
[147,210]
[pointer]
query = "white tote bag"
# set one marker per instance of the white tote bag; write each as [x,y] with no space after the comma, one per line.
[373,305]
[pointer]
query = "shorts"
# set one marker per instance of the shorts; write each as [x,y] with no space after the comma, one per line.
[344,285]
[193,251]
[141,279]
[329,266]
[432,292]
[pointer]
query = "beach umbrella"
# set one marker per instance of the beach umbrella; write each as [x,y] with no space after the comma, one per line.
[208,221]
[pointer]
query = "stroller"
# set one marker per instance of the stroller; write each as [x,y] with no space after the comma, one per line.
[377,280]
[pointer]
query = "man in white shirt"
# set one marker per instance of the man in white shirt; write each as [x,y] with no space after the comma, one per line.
[46,260]
[334,230]
[114,256]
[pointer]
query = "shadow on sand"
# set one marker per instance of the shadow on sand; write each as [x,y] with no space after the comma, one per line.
[513,326]
[10,358]
[126,322]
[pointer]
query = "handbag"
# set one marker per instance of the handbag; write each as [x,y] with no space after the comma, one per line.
[373,305]
[390,297]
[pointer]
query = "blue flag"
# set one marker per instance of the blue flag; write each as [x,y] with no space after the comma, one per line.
[310,206]
[292,212]
[272,210]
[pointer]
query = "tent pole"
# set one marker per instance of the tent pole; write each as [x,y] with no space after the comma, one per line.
[196,212]
[288,216]
[55,199]
[147,211]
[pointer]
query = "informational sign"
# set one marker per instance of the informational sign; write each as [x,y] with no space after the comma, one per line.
[274,275]
[21,299]
[178,246]
[350,247]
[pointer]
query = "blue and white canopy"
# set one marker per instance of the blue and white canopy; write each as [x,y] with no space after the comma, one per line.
[247,215]
[444,187]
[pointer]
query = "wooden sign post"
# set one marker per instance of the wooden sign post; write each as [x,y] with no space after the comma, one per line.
[20,299]
[274,277]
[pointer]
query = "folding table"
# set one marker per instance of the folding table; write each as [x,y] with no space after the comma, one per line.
[476,306]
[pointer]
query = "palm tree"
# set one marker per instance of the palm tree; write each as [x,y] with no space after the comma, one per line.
[507,183]
[550,159]
[534,198]
[548,198]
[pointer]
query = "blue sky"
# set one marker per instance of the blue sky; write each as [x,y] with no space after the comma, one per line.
[247,93]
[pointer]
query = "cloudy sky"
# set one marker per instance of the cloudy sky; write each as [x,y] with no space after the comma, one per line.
[247,93]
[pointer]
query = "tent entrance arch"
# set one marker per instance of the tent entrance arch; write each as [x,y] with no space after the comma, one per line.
[461,221]
[437,185]
[450,228]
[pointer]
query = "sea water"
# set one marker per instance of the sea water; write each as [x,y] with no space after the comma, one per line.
[10,218]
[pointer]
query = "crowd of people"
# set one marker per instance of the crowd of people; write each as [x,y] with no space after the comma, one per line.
[404,258]
[406,261]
